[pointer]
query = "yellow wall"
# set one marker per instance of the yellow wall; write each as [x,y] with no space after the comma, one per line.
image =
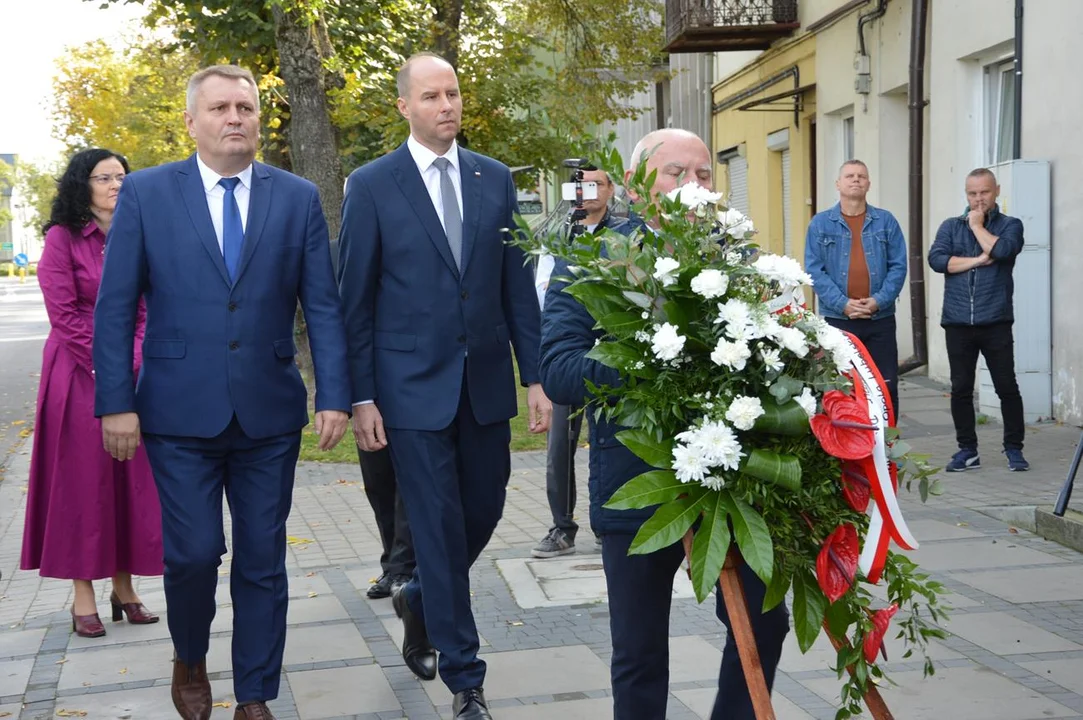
[751,128]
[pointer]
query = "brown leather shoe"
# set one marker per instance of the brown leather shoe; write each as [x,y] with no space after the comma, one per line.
[191,690]
[253,711]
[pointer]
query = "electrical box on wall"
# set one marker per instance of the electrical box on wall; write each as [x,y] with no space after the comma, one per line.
[863,81]
[1026,193]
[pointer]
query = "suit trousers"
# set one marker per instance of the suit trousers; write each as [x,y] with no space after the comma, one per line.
[560,467]
[256,476]
[383,495]
[454,483]
[640,589]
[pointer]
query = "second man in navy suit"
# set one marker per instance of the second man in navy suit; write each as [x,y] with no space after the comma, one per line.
[435,299]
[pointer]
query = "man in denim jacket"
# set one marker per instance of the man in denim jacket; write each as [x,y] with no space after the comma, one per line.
[976,253]
[856,255]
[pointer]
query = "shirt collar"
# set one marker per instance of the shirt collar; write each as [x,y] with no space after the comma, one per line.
[424,157]
[211,178]
[90,228]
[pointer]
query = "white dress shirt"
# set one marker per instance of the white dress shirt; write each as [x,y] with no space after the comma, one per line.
[216,195]
[546,263]
[430,174]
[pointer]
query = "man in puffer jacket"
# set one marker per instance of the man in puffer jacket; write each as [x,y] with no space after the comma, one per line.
[976,252]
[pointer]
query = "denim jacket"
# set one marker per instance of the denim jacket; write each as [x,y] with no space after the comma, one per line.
[827,259]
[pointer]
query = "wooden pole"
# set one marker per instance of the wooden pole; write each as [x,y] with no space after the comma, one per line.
[876,703]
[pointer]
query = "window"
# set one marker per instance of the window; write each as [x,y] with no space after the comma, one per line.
[847,138]
[1000,89]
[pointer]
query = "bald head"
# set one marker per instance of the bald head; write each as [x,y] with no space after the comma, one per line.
[679,157]
[427,60]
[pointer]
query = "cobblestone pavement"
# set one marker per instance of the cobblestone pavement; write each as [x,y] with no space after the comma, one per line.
[1015,651]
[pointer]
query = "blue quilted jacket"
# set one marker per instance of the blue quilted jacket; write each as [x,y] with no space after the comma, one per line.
[983,295]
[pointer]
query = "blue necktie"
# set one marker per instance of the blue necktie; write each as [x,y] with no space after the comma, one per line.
[232,230]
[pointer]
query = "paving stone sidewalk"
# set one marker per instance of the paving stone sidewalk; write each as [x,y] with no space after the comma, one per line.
[1015,650]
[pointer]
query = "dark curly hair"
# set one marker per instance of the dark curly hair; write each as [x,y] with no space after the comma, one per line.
[71,206]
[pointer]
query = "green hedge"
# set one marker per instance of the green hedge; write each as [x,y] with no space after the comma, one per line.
[5,269]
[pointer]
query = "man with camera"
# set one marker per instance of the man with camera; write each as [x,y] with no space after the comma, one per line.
[566,422]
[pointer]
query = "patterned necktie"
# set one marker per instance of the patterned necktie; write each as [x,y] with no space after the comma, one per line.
[453,223]
[232,230]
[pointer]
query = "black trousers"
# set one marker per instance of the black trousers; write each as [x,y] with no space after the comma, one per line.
[382,491]
[560,467]
[878,337]
[996,344]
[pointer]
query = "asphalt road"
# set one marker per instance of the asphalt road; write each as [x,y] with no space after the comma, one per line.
[23,329]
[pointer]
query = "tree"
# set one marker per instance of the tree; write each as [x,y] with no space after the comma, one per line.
[35,188]
[129,101]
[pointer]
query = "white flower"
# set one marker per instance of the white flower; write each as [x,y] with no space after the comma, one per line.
[663,270]
[807,401]
[772,359]
[713,482]
[666,343]
[744,411]
[645,315]
[737,316]
[642,336]
[711,283]
[719,445]
[736,223]
[734,258]
[784,270]
[689,463]
[793,340]
[832,340]
[692,195]
[733,355]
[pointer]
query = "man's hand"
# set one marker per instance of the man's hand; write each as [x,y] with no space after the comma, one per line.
[855,310]
[331,426]
[539,409]
[120,435]
[870,305]
[975,218]
[368,428]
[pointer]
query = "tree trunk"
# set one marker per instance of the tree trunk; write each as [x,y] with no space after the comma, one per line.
[447,18]
[303,48]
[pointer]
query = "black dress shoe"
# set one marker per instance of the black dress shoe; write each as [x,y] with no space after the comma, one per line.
[381,588]
[470,705]
[418,653]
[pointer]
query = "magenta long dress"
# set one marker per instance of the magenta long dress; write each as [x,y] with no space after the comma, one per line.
[88,516]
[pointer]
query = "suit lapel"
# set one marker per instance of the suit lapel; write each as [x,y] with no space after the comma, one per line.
[195,200]
[417,196]
[470,178]
[259,204]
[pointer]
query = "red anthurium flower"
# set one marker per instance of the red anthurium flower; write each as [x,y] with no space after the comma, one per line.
[856,487]
[874,641]
[844,428]
[836,565]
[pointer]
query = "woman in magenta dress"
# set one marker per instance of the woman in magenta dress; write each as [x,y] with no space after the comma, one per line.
[88,516]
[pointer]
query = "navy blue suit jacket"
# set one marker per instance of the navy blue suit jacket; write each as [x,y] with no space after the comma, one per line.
[214,348]
[412,317]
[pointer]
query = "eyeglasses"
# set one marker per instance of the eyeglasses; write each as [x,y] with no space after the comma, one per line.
[106,179]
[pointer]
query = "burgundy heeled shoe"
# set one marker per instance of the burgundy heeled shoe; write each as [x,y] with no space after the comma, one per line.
[137,612]
[88,626]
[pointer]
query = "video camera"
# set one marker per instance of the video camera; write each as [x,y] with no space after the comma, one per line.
[576,191]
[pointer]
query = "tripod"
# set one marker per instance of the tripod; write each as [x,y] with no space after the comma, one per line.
[1066,491]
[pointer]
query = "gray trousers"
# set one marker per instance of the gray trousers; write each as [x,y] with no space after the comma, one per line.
[560,467]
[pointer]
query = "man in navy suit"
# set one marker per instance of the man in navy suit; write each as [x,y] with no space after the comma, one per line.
[222,248]
[433,296]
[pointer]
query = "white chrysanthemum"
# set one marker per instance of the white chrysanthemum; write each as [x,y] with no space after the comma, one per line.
[782,269]
[772,359]
[713,482]
[718,444]
[711,283]
[807,401]
[734,312]
[666,343]
[736,223]
[692,195]
[733,355]
[664,268]
[766,325]
[744,411]
[793,340]
[689,463]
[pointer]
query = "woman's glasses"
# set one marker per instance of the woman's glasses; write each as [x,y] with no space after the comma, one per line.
[106,179]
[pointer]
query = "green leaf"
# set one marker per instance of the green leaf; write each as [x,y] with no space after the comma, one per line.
[936,488]
[650,488]
[753,538]
[655,453]
[776,591]
[838,618]
[639,299]
[808,609]
[678,314]
[622,324]
[789,419]
[769,466]
[709,547]
[669,522]
[622,357]
[785,388]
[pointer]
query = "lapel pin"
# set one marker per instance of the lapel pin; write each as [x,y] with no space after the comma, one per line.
[477,173]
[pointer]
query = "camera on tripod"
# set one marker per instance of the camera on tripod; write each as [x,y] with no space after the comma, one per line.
[577,191]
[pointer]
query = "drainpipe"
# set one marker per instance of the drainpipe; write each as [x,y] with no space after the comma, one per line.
[1017,140]
[916,104]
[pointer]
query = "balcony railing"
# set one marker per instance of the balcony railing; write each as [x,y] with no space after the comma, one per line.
[721,25]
